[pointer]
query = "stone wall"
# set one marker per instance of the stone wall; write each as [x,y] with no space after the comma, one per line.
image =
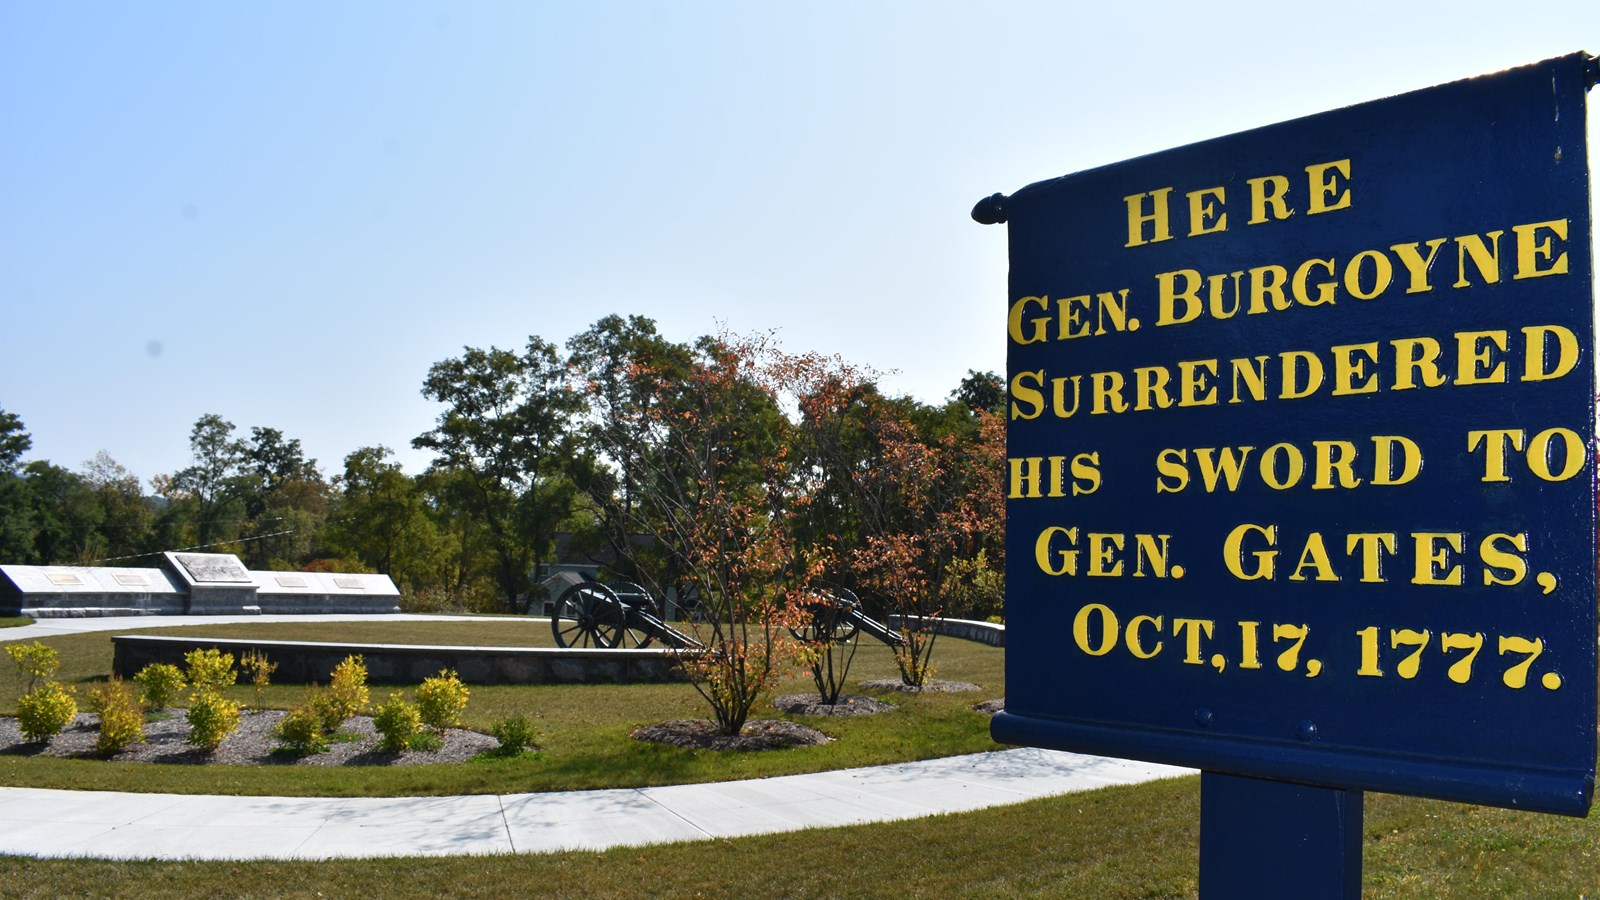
[966,629]
[304,662]
[188,584]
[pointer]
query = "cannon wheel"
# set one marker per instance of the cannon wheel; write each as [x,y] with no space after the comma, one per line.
[588,615]
[828,624]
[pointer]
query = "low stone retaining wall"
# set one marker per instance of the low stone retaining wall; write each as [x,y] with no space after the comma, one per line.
[966,629]
[304,662]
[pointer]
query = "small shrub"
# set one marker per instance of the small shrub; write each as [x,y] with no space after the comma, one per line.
[259,670]
[328,713]
[210,670]
[301,731]
[121,716]
[35,662]
[398,722]
[159,683]
[514,734]
[348,688]
[441,700]
[212,718]
[426,740]
[45,710]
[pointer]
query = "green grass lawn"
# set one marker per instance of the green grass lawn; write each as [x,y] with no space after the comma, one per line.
[1139,841]
[582,729]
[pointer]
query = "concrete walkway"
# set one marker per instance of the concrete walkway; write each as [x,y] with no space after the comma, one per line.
[36,822]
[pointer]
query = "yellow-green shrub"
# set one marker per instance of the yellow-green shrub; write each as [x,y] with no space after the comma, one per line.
[212,718]
[441,700]
[159,683]
[328,713]
[45,710]
[35,662]
[121,716]
[301,731]
[210,670]
[255,665]
[398,722]
[347,691]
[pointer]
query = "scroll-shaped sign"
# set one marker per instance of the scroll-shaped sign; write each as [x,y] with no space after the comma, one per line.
[1301,439]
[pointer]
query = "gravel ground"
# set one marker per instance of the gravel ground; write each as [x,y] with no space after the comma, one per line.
[251,745]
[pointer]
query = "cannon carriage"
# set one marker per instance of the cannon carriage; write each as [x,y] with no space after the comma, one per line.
[618,615]
[623,615]
[835,616]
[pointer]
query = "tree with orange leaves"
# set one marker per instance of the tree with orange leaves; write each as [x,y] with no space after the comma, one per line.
[696,443]
[924,491]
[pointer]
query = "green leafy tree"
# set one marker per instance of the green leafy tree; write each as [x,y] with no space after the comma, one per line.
[625,370]
[14,441]
[981,390]
[383,519]
[207,496]
[463,564]
[16,508]
[66,515]
[127,521]
[505,428]
[285,500]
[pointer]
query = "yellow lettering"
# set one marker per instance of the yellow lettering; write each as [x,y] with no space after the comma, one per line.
[1351,374]
[1417,265]
[1486,258]
[1433,566]
[1015,323]
[1314,557]
[1021,392]
[1503,566]
[1535,340]
[1136,644]
[1327,194]
[1269,191]
[1530,249]
[1170,464]
[1233,553]
[1065,562]
[1108,629]
[1157,217]
[1372,544]
[1476,359]
[1168,295]
[1203,215]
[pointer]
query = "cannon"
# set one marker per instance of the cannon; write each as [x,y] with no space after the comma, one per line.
[616,615]
[836,617]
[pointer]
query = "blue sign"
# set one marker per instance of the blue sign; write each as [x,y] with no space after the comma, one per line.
[1301,439]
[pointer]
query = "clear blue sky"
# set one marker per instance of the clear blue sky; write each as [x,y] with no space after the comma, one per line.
[285,212]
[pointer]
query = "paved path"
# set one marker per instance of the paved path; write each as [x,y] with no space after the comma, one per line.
[38,822]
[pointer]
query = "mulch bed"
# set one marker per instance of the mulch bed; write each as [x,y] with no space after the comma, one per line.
[812,705]
[760,734]
[252,745]
[990,707]
[931,687]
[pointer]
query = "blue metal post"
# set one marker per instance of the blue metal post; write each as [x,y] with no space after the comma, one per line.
[1272,839]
